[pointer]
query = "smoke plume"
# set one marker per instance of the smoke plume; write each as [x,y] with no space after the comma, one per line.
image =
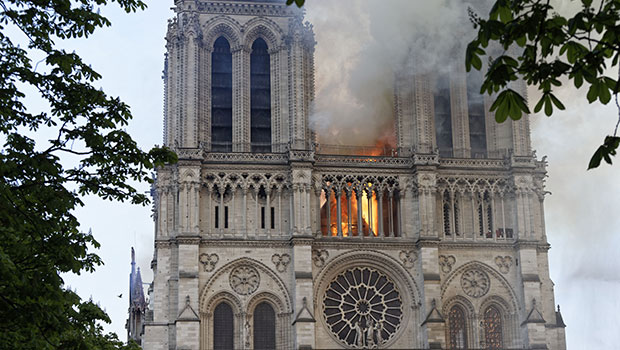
[362,45]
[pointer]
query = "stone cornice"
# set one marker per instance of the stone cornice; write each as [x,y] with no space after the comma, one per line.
[245,243]
[433,242]
[301,240]
[268,8]
[364,243]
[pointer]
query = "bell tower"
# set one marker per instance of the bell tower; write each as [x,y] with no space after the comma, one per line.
[239,77]
[239,82]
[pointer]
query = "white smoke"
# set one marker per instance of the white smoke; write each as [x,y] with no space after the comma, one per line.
[362,44]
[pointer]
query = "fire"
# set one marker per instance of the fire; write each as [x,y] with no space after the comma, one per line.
[349,221]
[349,212]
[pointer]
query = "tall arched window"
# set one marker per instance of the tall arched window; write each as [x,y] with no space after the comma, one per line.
[447,208]
[443,116]
[457,327]
[264,327]
[260,95]
[493,337]
[223,327]
[477,127]
[221,96]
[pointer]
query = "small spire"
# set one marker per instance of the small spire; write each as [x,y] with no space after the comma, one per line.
[559,320]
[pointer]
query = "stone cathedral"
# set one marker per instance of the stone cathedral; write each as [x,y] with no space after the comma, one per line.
[267,239]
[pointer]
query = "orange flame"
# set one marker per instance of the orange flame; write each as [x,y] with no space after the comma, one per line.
[349,221]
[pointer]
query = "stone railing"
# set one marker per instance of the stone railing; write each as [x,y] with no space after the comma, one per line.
[363,161]
[269,158]
[473,163]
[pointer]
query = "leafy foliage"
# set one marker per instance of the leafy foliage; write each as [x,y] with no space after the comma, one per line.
[543,47]
[39,235]
[299,3]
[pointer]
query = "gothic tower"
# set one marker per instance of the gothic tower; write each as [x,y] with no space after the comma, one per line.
[137,304]
[266,240]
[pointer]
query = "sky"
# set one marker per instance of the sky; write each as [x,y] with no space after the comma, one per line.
[358,42]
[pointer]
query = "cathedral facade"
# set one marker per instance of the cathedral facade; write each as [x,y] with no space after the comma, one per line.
[267,239]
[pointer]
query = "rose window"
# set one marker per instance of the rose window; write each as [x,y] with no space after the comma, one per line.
[363,308]
[475,283]
[244,280]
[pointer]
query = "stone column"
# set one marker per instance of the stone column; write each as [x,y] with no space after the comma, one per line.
[460,115]
[297,86]
[434,324]
[241,98]
[304,323]
[190,96]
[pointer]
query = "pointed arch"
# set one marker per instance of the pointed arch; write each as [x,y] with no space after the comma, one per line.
[223,327]
[264,326]
[268,30]
[510,305]
[280,288]
[457,326]
[498,319]
[460,316]
[260,97]
[214,335]
[221,96]
[221,26]
[492,324]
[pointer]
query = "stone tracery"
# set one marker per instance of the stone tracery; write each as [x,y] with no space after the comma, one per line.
[363,307]
[359,205]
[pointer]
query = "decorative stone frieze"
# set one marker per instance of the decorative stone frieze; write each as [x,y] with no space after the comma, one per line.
[446,262]
[503,263]
[319,257]
[408,258]
[475,283]
[208,261]
[244,279]
[281,261]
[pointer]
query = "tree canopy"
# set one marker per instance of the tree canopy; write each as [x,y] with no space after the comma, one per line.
[40,238]
[532,41]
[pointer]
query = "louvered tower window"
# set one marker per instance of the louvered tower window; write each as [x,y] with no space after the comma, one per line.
[477,127]
[264,327]
[260,86]
[223,327]
[443,117]
[221,96]
[458,328]
[493,337]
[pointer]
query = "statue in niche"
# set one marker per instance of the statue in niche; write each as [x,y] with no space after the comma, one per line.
[247,334]
[378,329]
[370,329]
[359,333]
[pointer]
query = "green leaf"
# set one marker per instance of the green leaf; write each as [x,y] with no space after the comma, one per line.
[548,106]
[557,102]
[605,151]
[509,103]
[593,92]
[539,105]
